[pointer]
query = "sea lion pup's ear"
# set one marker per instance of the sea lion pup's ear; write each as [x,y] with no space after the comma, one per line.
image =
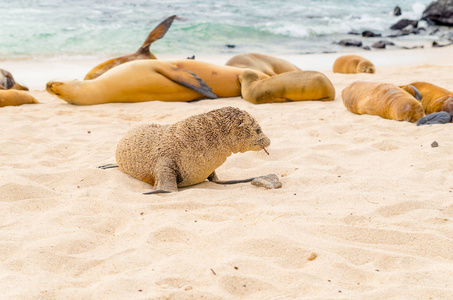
[156,33]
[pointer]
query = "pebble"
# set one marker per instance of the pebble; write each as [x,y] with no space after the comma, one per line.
[269,181]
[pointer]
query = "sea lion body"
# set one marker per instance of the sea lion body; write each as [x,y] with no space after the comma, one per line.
[267,64]
[146,80]
[14,97]
[382,99]
[290,86]
[353,64]
[188,152]
[434,98]
[7,82]
[142,53]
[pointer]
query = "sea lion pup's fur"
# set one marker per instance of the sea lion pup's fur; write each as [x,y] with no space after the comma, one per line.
[142,53]
[382,99]
[434,98]
[286,87]
[189,151]
[15,97]
[152,79]
[7,82]
[267,64]
[353,64]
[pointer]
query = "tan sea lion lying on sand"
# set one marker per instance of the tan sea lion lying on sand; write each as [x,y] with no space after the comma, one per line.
[286,87]
[7,82]
[146,80]
[267,64]
[142,53]
[14,97]
[353,64]
[433,98]
[382,99]
[189,151]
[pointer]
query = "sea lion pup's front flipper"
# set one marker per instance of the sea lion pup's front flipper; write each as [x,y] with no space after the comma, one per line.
[108,166]
[441,117]
[213,177]
[155,34]
[187,79]
[413,91]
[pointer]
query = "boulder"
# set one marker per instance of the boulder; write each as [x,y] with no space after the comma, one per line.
[404,23]
[397,11]
[368,33]
[439,12]
[350,42]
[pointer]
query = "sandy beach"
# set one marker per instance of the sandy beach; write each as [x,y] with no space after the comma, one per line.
[365,210]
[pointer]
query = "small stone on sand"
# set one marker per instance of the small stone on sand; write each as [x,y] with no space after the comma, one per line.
[269,181]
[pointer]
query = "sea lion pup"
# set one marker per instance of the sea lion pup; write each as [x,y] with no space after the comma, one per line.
[382,99]
[142,53]
[433,98]
[353,64]
[14,97]
[267,64]
[286,87]
[7,82]
[189,151]
[151,79]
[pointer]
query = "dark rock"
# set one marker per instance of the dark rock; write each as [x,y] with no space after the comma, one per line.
[230,46]
[397,11]
[349,42]
[366,48]
[368,33]
[413,47]
[353,33]
[409,29]
[439,12]
[191,57]
[382,44]
[437,45]
[434,144]
[269,181]
[404,23]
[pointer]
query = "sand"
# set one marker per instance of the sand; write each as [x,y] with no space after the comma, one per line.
[365,210]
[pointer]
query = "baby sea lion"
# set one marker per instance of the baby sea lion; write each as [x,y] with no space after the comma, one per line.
[14,97]
[142,53]
[189,151]
[7,82]
[353,64]
[151,79]
[433,98]
[382,99]
[290,86]
[267,64]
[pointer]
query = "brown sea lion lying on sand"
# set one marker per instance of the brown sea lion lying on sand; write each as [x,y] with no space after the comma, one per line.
[14,97]
[189,151]
[7,82]
[433,97]
[382,99]
[146,80]
[142,53]
[286,87]
[267,64]
[353,64]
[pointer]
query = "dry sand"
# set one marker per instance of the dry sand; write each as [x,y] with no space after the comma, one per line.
[365,211]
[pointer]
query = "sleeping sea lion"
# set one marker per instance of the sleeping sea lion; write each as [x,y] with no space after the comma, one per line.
[151,79]
[382,99]
[189,151]
[353,64]
[285,87]
[433,98]
[267,64]
[7,81]
[142,53]
[13,97]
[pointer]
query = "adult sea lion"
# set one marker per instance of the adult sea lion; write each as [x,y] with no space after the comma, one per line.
[382,99]
[267,64]
[146,80]
[7,82]
[13,97]
[142,53]
[189,151]
[353,64]
[433,98]
[285,87]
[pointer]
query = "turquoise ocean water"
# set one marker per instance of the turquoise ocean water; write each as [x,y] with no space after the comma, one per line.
[42,28]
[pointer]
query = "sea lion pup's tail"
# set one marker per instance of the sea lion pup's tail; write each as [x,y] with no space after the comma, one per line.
[155,34]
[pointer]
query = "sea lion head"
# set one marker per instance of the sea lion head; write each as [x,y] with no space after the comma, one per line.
[245,132]
[365,67]
[63,89]
[447,106]
[412,112]
[8,82]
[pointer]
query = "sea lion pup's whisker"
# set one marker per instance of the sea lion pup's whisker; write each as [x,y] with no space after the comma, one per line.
[157,192]
[265,150]
[108,166]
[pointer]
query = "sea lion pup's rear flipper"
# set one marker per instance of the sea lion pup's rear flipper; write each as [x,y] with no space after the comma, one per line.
[213,177]
[413,91]
[108,166]
[187,79]
[156,33]
[441,117]
[166,178]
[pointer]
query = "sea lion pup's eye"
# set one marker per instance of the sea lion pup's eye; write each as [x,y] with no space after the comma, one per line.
[258,131]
